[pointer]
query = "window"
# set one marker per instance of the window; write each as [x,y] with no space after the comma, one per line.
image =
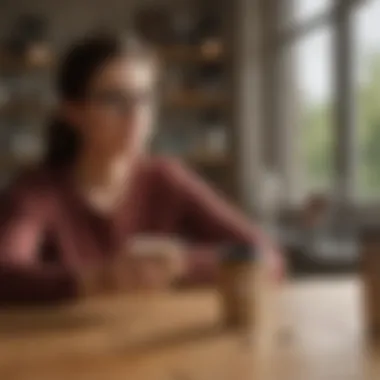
[325,97]
[367,45]
[337,145]
[314,97]
[311,36]
[307,10]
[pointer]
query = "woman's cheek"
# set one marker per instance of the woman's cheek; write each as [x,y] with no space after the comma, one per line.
[101,130]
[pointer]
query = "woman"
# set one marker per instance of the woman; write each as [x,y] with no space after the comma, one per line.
[66,226]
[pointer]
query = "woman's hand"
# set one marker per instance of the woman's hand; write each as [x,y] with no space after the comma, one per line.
[147,263]
[157,261]
[276,263]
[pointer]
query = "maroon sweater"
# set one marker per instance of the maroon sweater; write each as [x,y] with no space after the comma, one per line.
[48,233]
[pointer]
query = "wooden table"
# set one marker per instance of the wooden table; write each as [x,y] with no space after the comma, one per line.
[176,335]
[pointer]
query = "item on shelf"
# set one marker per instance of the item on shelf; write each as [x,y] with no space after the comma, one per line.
[26,146]
[39,54]
[30,32]
[212,48]
[165,142]
[14,85]
[177,135]
[210,143]
[216,141]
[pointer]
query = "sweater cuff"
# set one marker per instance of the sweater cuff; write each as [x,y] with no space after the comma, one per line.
[202,266]
[20,285]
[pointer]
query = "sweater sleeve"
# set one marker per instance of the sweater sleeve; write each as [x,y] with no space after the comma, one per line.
[24,278]
[206,218]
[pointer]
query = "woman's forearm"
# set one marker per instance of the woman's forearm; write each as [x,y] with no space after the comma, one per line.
[207,219]
[35,285]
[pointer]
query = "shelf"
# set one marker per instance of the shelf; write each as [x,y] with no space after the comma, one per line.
[36,61]
[196,99]
[29,108]
[207,52]
[207,159]
[211,51]
[9,161]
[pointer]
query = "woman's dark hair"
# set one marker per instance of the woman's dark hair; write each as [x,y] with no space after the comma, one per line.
[81,63]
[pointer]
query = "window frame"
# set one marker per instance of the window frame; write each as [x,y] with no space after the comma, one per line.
[338,17]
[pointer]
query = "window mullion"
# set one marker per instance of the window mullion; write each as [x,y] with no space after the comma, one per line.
[344,110]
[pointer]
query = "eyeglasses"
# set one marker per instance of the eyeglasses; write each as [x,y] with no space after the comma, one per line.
[121,102]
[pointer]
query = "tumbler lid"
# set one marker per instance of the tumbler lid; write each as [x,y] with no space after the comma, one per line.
[238,253]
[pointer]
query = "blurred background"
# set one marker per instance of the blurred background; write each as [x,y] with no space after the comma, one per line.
[274,102]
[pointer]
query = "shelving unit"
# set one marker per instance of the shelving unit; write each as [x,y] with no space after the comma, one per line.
[194,123]
[25,102]
[187,53]
[194,101]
